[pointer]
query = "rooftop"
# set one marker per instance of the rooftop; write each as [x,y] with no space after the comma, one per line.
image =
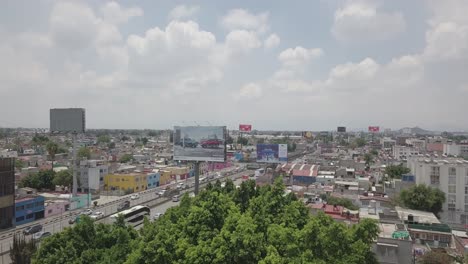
[418,216]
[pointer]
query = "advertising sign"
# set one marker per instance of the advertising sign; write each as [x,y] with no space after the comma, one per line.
[341,129]
[272,153]
[245,128]
[66,120]
[307,134]
[374,129]
[200,143]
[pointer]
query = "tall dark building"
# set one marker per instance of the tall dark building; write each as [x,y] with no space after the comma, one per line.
[7,192]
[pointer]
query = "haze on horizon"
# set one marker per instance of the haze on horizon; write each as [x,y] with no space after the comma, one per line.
[306,65]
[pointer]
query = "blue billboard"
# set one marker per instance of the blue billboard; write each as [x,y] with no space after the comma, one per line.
[272,153]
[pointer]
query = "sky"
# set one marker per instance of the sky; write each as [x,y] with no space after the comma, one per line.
[278,65]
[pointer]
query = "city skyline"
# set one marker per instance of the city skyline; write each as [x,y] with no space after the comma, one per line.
[279,66]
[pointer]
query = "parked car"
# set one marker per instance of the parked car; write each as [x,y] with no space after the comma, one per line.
[123,205]
[161,193]
[97,215]
[41,235]
[135,196]
[32,229]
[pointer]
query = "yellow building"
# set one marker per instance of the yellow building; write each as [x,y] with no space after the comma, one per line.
[134,182]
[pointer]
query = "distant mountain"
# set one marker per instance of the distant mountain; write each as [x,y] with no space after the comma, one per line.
[415,130]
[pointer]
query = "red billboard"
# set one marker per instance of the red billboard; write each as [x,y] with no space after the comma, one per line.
[245,128]
[374,129]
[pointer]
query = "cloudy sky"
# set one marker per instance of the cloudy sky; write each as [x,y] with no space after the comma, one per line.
[297,65]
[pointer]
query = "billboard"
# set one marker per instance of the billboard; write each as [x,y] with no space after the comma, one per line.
[374,129]
[272,153]
[200,143]
[341,129]
[65,120]
[245,128]
[307,134]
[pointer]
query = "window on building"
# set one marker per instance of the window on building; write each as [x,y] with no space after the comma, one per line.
[29,216]
[39,204]
[423,235]
[435,175]
[452,171]
[436,237]
[445,239]
[452,188]
[466,199]
[29,206]
[452,180]
[20,208]
[451,207]
[466,189]
[451,198]
[19,219]
[466,208]
[466,180]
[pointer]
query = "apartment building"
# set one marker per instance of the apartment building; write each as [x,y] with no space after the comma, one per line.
[133,182]
[7,192]
[387,143]
[450,175]
[404,152]
[460,150]
[91,174]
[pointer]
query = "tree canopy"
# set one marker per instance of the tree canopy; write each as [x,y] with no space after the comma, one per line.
[84,152]
[103,139]
[395,171]
[221,225]
[424,198]
[126,158]
[41,180]
[63,178]
[347,203]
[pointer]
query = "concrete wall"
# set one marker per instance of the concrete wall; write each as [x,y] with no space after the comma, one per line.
[393,251]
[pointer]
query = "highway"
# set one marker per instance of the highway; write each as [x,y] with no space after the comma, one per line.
[149,197]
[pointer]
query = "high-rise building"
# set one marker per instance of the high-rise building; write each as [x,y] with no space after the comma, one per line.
[7,192]
[448,175]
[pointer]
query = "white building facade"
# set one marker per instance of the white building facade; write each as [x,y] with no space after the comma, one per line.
[450,176]
[404,152]
[91,174]
[456,150]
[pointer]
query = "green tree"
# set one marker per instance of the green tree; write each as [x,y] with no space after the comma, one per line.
[111,145]
[19,164]
[63,178]
[360,142]
[126,158]
[368,159]
[84,152]
[52,149]
[41,180]
[124,138]
[243,141]
[395,171]
[152,133]
[144,141]
[39,140]
[347,203]
[423,197]
[103,139]
[22,250]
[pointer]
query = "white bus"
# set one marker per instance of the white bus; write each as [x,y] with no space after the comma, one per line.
[133,216]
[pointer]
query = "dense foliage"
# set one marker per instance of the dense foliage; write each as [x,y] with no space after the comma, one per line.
[84,152]
[422,197]
[221,225]
[347,203]
[47,179]
[126,158]
[395,171]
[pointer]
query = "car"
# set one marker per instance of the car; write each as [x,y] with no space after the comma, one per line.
[32,229]
[41,235]
[135,196]
[211,143]
[87,212]
[157,215]
[161,192]
[124,205]
[97,215]
[187,142]
[176,198]
[181,186]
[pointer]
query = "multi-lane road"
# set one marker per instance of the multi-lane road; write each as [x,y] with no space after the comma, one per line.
[149,197]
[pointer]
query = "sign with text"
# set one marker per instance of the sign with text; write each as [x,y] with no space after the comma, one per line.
[341,129]
[272,153]
[374,129]
[245,128]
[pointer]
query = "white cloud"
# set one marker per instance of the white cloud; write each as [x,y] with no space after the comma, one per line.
[242,41]
[299,56]
[243,19]
[272,41]
[183,11]
[250,91]
[113,13]
[361,21]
